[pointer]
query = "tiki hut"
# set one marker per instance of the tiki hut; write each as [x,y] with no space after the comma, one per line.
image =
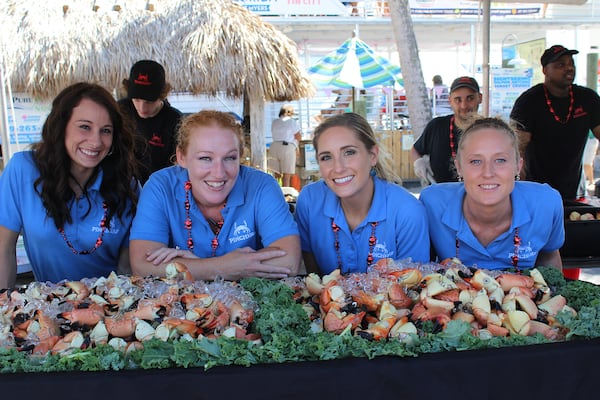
[207,46]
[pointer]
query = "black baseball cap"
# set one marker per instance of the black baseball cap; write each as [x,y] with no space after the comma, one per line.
[554,53]
[465,81]
[146,80]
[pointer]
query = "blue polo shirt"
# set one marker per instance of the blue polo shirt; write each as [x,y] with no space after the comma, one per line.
[22,210]
[401,230]
[256,213]
[537,212]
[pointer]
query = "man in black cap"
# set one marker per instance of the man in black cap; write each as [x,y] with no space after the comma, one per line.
[434,151]
[553,120]
[155,119]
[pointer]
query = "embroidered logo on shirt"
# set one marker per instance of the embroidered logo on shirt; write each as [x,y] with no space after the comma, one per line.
[380,251]
[241,232]
[113,229]
[525,252]
[579,112]
[156,141]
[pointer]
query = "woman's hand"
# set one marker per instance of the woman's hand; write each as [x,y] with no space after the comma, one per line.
[246,262]
[166,254]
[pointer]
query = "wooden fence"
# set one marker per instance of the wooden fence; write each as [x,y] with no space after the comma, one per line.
[397,144]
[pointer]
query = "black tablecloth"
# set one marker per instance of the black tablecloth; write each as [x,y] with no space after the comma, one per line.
[550,371]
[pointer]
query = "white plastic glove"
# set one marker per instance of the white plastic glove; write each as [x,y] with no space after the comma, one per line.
[422,168]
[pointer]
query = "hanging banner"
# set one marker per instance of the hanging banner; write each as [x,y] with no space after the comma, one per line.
[506,84]
[456,8]
[295,7]
[417,7]
[25,119]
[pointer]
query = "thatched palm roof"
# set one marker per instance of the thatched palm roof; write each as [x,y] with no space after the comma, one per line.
[206,46]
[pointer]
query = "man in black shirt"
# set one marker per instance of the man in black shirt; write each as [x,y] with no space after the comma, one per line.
[439,139]
[155,119]
[553,120]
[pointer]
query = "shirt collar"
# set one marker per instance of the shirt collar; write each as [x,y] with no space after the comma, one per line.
[333,209]
[453,216]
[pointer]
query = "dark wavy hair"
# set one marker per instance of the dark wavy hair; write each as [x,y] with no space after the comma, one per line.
[363,131]
[54,164]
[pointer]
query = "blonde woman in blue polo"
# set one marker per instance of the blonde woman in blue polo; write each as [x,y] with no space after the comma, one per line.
[489,219]
[355,216]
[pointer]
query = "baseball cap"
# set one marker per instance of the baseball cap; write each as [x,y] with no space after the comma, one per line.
[554,53]
[146,80]
[465,81]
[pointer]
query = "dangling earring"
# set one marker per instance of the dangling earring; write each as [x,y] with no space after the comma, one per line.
[373,172]
[517,177]
[110,152]
[460,178]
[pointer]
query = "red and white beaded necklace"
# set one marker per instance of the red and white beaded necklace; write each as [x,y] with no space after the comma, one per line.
[515,256]
[214,243]
[549,103]
[452,142]
[336,243]
[99,241]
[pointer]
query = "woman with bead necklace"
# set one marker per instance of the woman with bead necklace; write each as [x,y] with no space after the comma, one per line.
[218,218]
[73,195]
[489,220]
[355,215]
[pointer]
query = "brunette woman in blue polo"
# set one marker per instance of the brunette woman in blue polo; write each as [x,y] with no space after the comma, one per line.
[73,196]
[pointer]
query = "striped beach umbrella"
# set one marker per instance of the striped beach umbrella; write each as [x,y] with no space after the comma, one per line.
[354,65]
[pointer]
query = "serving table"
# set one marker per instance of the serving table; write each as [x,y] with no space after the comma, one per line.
[567,370]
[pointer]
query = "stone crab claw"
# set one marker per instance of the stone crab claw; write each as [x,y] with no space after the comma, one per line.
[143,330]
[178,271]
[336,321]
[332,295]
[517,322]
[84,318]
[121,326]
[437,283]
[239,315]
[78,290]
[45,346]
[172,328]
[398,296]
[407,277]
[43,326]
[379,330]
[481,280]
[554,305]
[71,341]
[508,281]
[481,307]
[313,284]
[99,335]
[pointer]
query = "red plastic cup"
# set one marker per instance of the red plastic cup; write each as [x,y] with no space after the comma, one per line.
[571,273]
